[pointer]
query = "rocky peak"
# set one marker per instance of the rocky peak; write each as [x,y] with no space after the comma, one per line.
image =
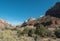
[31,19]
[58,4]
[29,22]
[54,11]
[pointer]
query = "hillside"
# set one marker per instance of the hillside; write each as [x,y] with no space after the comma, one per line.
[45,28]
[5,24]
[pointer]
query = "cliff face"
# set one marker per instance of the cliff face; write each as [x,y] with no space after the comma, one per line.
[54,11]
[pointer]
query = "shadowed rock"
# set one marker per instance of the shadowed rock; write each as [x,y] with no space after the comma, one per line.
[54,11]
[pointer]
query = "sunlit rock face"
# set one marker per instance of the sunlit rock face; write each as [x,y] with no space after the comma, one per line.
[29,22]
[31,19]
[4,24]
[54,11]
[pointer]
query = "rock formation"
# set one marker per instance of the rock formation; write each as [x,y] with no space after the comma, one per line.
[54,11]
[4,24]
[52,17]
[29,22]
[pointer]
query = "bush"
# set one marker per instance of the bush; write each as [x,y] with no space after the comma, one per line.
[57,33]
[41,30]
[25,31]
[51,34]
[7,35]
[31,32]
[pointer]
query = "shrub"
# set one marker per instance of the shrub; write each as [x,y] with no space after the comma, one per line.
[31,32]
[41,30]
[57,33]
[51,34]
[7,35]
[25,31]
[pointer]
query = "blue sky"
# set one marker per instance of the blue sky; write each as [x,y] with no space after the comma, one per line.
[17,11]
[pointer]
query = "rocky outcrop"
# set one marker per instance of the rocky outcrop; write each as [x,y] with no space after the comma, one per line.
[31,19]
[54,11]
[4,24]
[29,22]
